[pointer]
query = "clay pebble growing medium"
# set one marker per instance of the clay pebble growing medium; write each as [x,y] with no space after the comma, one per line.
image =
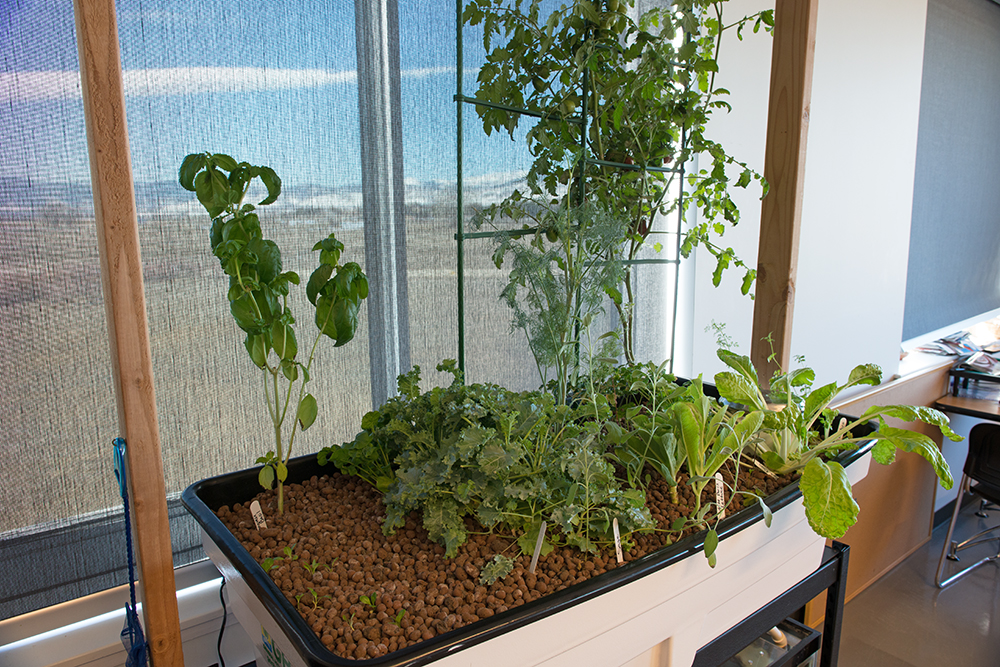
[336,522]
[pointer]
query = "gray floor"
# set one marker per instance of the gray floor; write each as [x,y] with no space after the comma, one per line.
[904,620]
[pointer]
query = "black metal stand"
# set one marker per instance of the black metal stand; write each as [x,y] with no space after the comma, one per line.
[958,379]
[831,576]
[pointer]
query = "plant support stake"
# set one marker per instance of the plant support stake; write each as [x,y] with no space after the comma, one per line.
[538,548]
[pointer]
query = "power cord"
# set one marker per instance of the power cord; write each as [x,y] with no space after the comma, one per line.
[222,630]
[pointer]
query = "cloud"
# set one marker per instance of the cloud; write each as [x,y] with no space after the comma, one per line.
[194,80]
[36,86]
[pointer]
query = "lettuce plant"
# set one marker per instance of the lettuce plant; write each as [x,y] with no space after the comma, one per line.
[799,430]
[652,439]
[674,425]
[258,295]
[710,435]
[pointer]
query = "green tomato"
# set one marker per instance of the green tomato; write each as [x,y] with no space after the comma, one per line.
[568,106]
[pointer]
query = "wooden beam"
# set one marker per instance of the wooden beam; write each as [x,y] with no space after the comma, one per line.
[128,334]
[784,169]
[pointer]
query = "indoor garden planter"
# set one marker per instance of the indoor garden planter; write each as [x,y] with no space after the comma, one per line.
[658,609]
[486,469]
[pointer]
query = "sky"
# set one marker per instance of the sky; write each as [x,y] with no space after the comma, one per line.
[270,83]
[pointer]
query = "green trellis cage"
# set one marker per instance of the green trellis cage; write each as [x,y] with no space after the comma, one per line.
[582,121]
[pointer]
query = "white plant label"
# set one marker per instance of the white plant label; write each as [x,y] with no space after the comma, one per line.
[720,498]
[538,547]
[618,542]
[258,515]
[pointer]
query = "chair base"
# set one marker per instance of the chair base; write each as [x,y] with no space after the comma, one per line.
[951,547]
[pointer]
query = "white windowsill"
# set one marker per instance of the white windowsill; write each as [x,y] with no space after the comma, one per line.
[87,631]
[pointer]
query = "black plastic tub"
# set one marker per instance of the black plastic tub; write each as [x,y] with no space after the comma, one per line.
[206,496]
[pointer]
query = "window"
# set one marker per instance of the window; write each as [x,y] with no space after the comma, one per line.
[352,105]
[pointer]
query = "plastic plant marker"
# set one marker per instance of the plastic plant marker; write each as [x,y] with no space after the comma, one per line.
[538,547]
[258,515]
[618,542]
[720,498]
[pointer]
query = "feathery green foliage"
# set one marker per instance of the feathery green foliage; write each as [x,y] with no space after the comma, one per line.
[560,272]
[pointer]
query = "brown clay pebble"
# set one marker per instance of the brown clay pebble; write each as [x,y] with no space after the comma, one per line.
[408,573]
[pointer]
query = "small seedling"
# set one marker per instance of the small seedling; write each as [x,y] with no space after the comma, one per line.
[298,599]
[268,563]
[288,553]
[398,618]
[311,568]
[316,598]
[368,600]
[349,620]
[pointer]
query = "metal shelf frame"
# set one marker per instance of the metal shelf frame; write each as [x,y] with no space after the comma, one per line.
[831,576]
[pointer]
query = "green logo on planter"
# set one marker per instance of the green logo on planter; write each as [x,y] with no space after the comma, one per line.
[275,658]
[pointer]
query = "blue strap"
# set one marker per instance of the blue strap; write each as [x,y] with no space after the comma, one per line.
[123,489]
[132,636]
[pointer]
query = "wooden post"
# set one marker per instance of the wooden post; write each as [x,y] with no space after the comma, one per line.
[128,334]
[784,169]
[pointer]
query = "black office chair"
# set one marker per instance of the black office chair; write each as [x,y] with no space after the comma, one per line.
[981,477]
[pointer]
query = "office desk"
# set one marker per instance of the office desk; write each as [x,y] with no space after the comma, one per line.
[973,407]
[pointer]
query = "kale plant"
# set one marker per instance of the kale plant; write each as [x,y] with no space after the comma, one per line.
[509,460]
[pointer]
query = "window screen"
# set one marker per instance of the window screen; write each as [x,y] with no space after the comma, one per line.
[353,106]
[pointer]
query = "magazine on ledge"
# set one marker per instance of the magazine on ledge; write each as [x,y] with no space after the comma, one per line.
[981,362]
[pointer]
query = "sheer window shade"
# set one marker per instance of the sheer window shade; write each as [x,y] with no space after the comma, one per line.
[57,405]
[273,84]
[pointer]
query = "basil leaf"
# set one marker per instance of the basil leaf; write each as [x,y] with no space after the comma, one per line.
[191,165]
[307,411]
[266,477]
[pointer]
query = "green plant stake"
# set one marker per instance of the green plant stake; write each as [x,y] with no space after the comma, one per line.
[258,295]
